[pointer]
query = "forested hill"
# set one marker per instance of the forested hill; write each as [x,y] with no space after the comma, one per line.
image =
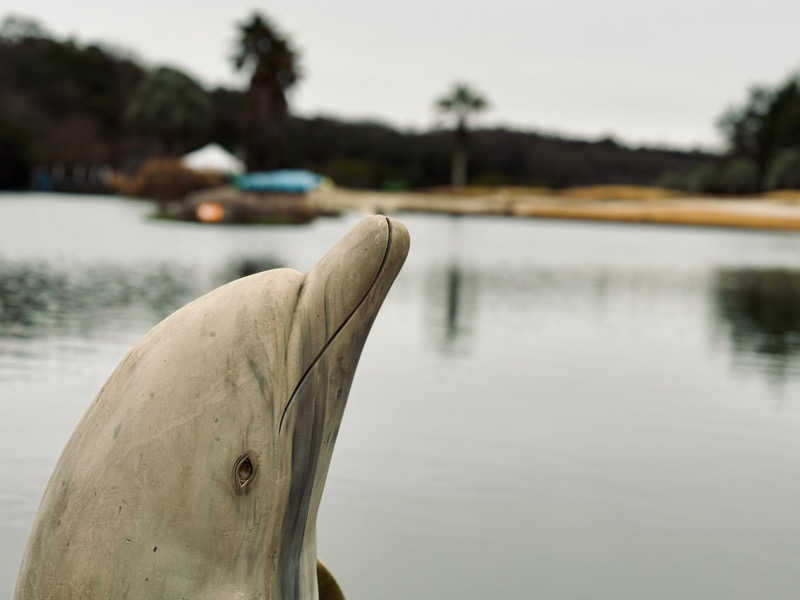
[81,106]
[373,155]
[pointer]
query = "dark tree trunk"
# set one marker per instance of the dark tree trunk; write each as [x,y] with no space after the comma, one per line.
[266,124]
[458,174]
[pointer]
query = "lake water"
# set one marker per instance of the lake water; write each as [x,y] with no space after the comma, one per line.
[544,409]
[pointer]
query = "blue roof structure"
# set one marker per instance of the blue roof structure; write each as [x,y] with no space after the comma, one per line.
[290,181]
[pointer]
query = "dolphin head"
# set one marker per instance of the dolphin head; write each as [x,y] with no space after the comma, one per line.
[198,470]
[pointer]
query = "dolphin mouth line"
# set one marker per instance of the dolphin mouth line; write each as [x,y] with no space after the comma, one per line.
[341,326]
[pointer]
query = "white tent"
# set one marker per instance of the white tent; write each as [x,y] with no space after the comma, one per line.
[213,157]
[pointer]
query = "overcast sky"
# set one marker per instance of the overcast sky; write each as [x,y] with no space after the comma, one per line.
[642,71]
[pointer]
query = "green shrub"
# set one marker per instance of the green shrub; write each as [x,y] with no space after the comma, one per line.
[738,176]
[705,179]
[673,180]
[783,171]
[352,172]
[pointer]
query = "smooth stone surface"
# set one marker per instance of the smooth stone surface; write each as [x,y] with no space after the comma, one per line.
[198,470]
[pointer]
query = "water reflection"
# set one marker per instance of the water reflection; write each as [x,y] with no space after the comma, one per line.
[571,398]
[460,300]
[242,266]
[452,301]
[760,310]
[38,299]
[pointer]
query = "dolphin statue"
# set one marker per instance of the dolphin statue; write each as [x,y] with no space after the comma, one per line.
[197,471]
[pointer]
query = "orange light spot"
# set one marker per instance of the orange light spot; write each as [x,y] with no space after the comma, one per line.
[209,212]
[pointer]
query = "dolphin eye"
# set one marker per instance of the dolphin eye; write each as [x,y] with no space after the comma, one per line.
[243,472]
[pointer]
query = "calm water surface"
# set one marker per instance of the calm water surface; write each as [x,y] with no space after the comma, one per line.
[543,409]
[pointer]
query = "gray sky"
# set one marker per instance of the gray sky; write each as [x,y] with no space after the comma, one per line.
[642,71]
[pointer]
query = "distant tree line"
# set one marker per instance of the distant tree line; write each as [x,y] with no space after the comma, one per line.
[765,131]
[74,108]
[763,139]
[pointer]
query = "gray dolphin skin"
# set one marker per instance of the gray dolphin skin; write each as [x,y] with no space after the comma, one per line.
[197,471]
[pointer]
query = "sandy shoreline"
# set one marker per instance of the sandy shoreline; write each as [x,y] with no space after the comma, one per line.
[751,213]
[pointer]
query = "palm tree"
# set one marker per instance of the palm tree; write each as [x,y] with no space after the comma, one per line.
[461,102]
[272,61]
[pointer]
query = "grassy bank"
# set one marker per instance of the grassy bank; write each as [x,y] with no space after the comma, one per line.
[777,210]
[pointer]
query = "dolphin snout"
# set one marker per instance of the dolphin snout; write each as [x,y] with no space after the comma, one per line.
[336,304]
[342,293]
